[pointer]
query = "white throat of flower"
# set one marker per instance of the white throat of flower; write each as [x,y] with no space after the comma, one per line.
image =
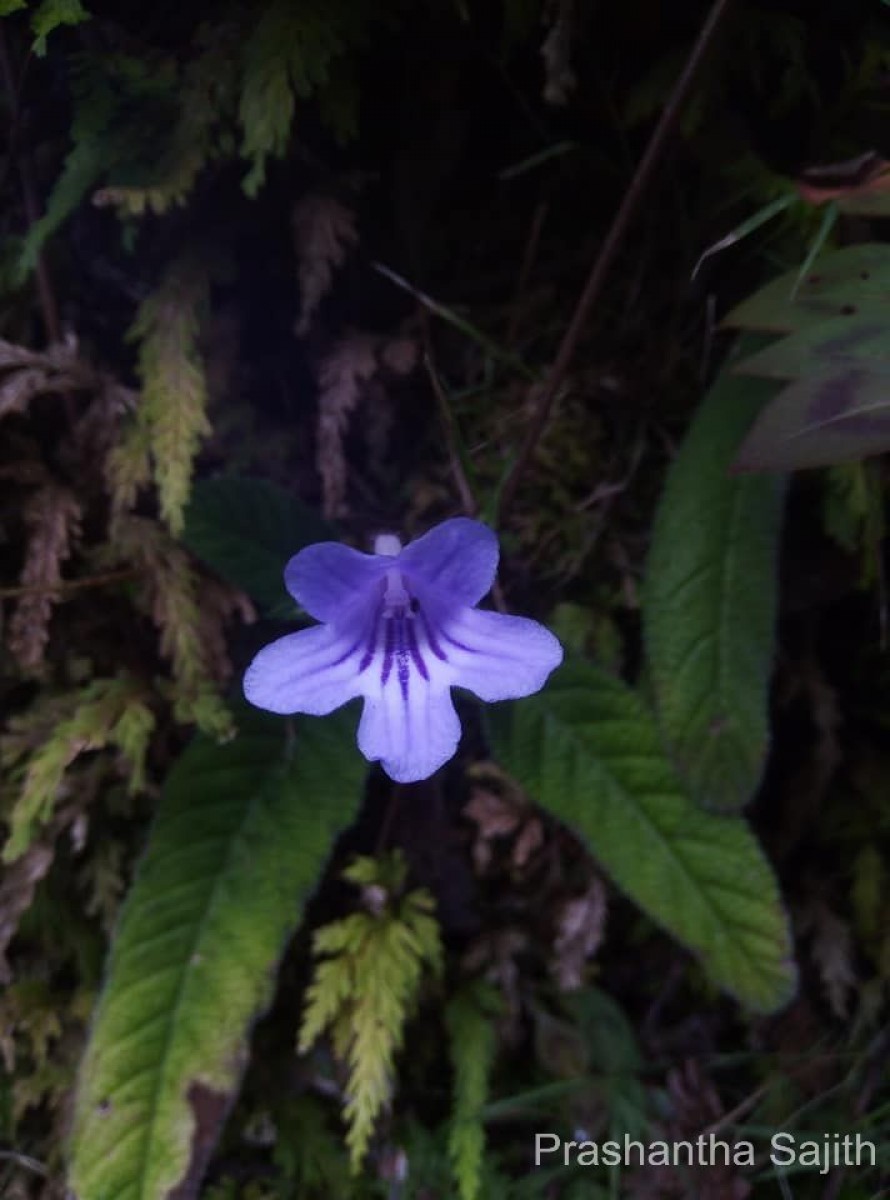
[387,544]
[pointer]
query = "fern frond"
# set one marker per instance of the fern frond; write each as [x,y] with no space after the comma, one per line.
[52,516]
[324,231]
[171,596]
[51,14]
[365,987]
[288,54]
[108,712]
[344,376]
[472,1045]
[174,388]
[206,94]
[127,470]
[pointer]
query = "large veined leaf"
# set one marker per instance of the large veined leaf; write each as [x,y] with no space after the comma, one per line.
[587,749]
[242,834]
[709,601]
[837,353]
[246,530]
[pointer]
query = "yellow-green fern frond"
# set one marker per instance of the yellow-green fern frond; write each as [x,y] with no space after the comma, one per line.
[469,1018]
[174,388]
[108,712]
[288,54]
[188,629]
[366,984]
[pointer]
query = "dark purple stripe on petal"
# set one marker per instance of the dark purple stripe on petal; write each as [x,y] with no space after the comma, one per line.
[414,651]
[389,645]
[371,645]
[460,645]
[431,637]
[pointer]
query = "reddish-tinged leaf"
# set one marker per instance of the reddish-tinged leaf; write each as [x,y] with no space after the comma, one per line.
[824,349]
[817,422]
[857,185]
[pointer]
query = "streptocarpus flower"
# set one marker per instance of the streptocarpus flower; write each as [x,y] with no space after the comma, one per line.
[399,628]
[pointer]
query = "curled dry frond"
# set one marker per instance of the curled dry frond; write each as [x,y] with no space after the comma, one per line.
[343,377]
[324,231]
[25,374]
[16,893]
[52,516]
[191,630]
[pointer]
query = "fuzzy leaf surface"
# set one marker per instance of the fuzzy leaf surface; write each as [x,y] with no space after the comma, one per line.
[709,602]
[242,834]
[588,751]
[246,530]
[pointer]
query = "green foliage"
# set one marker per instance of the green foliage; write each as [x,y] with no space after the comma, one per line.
[472,1044]
[309,1152]
[854,513]
[365,985]
[124,107]
[588,751]
[106,712]
[288,55]
[241,837]
[174,391]
[49,15]
[296,51]
[246,530]
[709,601]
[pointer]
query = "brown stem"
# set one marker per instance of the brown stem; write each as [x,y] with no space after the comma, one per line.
[70,585]
[464,491]
[598,272]
[528,261]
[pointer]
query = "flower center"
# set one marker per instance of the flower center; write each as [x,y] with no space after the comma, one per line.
[397,600]
[401,634]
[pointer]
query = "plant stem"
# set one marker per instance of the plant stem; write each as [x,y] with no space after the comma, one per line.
[598,272]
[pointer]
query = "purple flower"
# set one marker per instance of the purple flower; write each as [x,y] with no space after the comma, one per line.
[399,628]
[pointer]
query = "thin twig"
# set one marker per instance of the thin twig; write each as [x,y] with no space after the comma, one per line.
[25,1161]
[464,491]
[597,277]
[70,585]
[528,262]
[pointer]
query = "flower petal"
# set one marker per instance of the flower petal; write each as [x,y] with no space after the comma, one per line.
[457,558]
[412,735]
[496,656]
[313,671]
[327,578]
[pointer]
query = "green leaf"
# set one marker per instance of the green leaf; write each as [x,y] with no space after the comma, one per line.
[242,834]
[246,530]
[849,282]
[709,602]
[588,751]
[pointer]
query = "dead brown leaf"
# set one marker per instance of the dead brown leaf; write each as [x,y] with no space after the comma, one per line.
[580,926]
